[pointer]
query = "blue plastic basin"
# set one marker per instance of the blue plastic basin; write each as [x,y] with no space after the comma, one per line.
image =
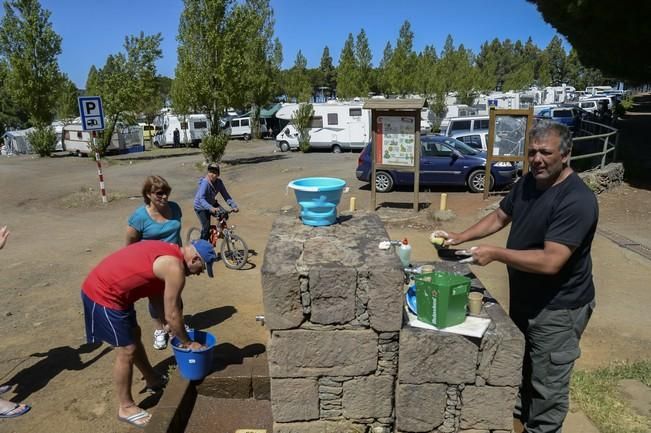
[318,198]
[195,364]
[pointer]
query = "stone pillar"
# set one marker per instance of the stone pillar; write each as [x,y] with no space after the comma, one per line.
[453,383]
[333,303]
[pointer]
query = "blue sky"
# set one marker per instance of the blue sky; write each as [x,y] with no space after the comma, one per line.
[93,29]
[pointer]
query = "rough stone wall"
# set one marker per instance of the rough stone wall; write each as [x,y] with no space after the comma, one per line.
[333,304]
[340,359]
[453,383]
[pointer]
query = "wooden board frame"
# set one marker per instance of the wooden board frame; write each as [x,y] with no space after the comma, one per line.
[375,114]
[490,158]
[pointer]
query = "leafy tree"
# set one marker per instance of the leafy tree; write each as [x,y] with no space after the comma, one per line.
[31,47]
[327,72]
[610,40]
[401,66]
[383,79]
[579,75]
[347,87]
[298,83]
[43,139]
[427,73]
[363,59]
[207,66]
[67,106]
[125,81]
[11,115]
[301,118]
[250,32]
[552,70]
[276,62]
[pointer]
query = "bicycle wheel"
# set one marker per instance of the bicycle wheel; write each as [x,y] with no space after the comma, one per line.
[234,251]
[193,234]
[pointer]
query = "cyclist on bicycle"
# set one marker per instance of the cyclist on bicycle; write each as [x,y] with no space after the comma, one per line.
[205,200]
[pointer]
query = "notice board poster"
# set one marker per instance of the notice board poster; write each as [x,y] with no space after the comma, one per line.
[395,140]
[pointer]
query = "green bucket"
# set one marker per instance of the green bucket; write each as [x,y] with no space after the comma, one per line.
[441,298]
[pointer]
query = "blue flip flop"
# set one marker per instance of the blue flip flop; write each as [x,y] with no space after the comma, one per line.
[24,408]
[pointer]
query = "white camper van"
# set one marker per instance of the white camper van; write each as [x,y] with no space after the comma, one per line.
[334,126]
[240,127]
[125,139]
[192,129]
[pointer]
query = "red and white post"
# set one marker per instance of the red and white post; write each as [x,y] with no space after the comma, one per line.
[102,188]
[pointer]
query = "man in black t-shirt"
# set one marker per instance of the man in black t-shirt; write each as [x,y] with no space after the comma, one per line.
[553,217]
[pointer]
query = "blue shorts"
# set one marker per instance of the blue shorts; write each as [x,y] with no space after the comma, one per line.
[106,324]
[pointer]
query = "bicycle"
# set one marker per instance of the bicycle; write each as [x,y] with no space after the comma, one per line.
[233,250]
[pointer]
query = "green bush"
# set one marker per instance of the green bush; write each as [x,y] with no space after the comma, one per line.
[301,119]
[43,140]
[214,146]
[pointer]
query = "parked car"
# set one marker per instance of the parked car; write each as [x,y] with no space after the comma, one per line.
[568,115]
[444,161]
[468,123]
[477,139]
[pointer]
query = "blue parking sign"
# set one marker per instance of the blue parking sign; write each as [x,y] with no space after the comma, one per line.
[92,114]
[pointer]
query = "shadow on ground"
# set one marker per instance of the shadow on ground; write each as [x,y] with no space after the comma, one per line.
[55,360]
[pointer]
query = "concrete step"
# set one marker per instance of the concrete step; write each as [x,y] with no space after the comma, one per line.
[227,415]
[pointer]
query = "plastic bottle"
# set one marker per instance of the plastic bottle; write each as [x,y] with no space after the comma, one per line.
[404,252]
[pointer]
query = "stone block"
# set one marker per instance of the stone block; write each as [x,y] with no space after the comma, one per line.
[506,366]
[368,397]
[332,294]
[294,399]
[234,381]
[309,353]
[420,408]
[319,427]
[488,407]
[386,280]
[436,357]
[281,285]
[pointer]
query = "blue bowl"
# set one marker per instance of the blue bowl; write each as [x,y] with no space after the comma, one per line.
[318,198]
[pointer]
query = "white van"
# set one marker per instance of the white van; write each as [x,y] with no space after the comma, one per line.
[477,139]
[469,123]
[334,126]
[192,129]
[240,127]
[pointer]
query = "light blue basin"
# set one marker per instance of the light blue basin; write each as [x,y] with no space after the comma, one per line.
[318,198]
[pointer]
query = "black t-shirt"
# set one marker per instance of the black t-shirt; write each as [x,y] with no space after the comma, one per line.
[566,213]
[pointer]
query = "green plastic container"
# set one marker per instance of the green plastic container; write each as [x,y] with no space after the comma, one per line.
[441,298]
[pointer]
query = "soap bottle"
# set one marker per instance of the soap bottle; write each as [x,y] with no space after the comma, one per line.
[404,252]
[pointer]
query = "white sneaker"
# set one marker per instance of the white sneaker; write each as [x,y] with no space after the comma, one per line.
[160,339]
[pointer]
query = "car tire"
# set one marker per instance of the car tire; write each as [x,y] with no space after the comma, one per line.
[383,181]
[336,148]
[246,137]
[284,146]
[476,181]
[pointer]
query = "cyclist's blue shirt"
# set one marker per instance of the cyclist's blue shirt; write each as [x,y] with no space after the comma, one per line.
[149,229]
[206,196]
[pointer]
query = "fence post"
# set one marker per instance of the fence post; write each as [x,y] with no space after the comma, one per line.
[603,157]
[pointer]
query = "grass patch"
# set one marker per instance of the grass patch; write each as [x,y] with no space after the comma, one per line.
[595,392]
[88,197]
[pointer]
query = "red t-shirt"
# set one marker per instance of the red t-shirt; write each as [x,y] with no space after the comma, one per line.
[127,275]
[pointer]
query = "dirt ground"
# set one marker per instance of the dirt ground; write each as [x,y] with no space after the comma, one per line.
[53,246]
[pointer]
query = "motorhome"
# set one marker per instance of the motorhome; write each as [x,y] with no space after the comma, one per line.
[125,139]
[192,128]
[335,126]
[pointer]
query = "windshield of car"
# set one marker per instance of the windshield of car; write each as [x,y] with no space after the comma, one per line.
[460,146]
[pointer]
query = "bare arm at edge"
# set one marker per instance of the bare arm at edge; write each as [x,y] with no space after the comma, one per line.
[547,261]
[133,236]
